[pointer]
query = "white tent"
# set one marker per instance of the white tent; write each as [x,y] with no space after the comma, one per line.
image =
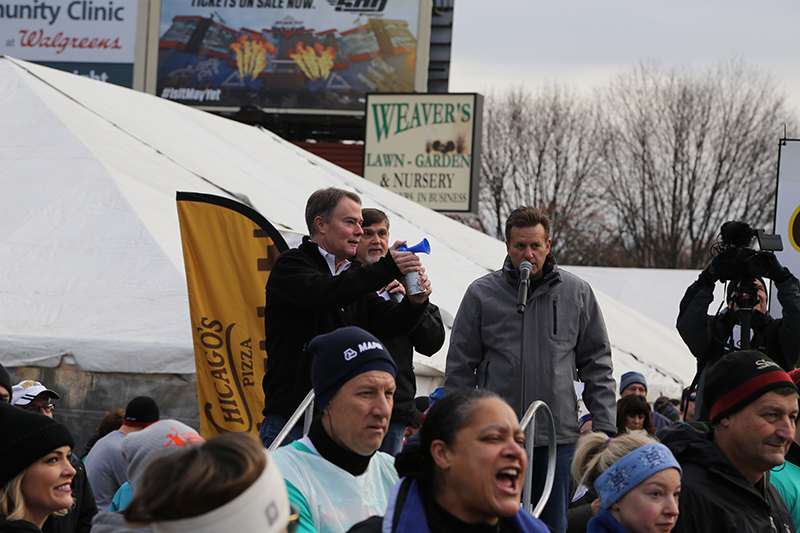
[654,292]
[91,267]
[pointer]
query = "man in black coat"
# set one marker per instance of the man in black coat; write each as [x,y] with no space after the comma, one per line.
[725,484]
[427,338]
[709,337]
[316,289]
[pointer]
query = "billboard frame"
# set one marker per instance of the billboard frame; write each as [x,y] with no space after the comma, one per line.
[150,64]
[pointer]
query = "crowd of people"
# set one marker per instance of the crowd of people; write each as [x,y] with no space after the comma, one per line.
[378,457]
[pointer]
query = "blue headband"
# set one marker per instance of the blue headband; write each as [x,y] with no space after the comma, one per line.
[633,468]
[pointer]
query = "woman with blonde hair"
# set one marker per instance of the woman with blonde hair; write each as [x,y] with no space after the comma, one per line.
[637,479]
[35,472]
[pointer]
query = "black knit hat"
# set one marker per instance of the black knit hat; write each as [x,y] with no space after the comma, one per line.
[5,381]
[26,437]
[740,378]
[141,412]
[670,411]
[340,356]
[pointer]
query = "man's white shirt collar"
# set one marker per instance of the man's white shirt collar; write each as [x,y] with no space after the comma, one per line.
[331,260]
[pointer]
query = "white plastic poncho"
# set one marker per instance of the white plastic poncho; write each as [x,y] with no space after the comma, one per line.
[336,499]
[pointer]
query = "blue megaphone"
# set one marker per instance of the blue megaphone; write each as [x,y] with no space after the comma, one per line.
[423,247]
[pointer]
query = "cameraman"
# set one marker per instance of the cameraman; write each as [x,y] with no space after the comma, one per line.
[709,337]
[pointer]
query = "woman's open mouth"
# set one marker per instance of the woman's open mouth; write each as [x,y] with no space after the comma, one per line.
[507,480]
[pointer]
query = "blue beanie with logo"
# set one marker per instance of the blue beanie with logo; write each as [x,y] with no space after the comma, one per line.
[340,356]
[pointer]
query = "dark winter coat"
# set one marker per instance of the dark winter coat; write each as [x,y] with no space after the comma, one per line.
[17,526]
[715,496]
[706,335]
[604,522]
[427,338]
[303,300]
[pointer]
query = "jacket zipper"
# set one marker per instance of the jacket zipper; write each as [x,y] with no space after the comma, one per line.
[555,317]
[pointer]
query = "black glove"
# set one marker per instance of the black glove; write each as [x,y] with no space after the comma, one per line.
[723,267]
[707,276]
[776,271]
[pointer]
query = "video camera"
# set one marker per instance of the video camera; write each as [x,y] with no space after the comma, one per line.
[735,245]
[735,261]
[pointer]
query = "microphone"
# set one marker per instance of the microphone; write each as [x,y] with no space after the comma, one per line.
[524,274]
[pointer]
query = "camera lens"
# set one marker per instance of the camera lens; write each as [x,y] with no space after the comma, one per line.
[758,264]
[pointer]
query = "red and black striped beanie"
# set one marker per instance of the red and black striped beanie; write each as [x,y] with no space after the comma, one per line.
[738,379]
[795,375]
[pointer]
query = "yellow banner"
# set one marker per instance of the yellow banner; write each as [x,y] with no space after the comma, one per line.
[228,250]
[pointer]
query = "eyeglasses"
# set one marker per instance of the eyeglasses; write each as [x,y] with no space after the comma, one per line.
[48,408]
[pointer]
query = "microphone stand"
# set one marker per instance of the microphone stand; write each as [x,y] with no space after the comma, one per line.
[524,285]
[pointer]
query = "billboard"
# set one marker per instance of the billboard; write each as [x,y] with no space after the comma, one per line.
[93,38]
[290,54]
[425,147]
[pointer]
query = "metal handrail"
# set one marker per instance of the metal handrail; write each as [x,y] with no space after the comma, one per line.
[307,407]
[528,425]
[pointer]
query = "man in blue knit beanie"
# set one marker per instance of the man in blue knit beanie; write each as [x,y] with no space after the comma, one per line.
[334,475]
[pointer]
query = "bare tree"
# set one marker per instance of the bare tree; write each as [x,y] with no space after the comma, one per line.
[540,150]
[559,175]
[684,152]
[505,137]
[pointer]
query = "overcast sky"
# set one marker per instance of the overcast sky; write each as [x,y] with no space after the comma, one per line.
[584,43]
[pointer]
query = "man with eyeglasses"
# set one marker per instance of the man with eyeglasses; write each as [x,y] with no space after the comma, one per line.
[33,396]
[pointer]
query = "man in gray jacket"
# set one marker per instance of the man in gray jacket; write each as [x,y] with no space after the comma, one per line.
[564,339]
